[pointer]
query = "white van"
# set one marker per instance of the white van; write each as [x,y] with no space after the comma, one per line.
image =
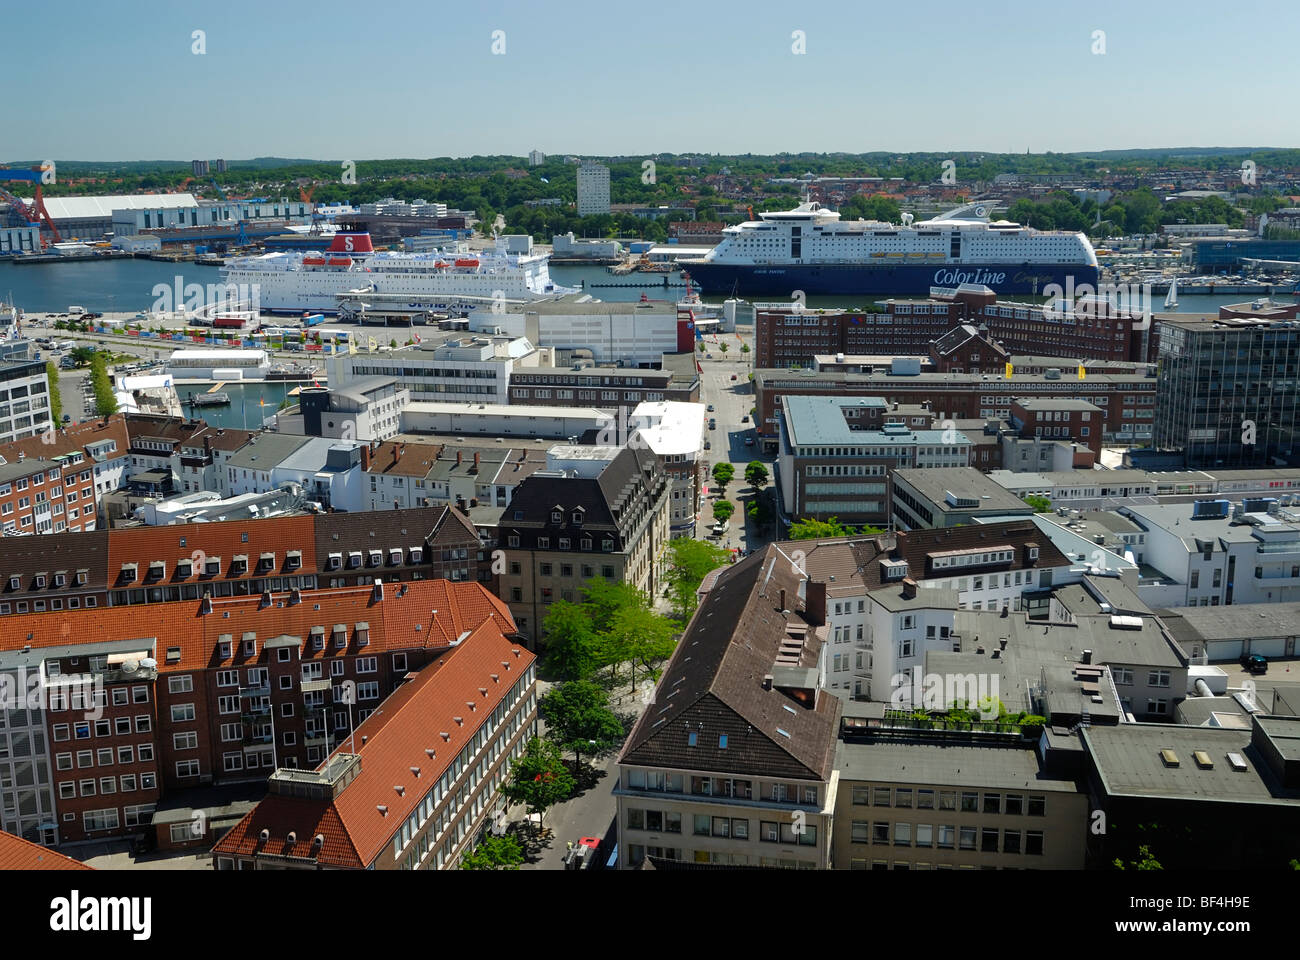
[76,311]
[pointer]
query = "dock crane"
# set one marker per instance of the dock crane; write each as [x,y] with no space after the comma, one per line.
[34,212]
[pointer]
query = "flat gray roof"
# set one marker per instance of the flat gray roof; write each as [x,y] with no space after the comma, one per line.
[944,765]
[934,483]
[1238,621]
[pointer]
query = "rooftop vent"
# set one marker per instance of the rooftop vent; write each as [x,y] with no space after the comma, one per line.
[1203,760]
[1169,757]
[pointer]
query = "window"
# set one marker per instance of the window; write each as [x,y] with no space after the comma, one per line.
[1037,806]
[182,712]
[1034,843]
[989,840]
[881,797]
[902,834]
[1011,841]
[187,768]
[1015,804]
[970,802]
[185,741]
[181,684]
[966,838]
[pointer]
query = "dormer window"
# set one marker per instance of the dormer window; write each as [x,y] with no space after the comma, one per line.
[354,558]
[60,580]
[82,577]
[293,559]
[239,565]
[394,556]
[266,561]
[340,636]
[40,580]
[557,516]
[128,573]
[335,561]
[226,648]
[184,568]
[157,569]
[250,645]
[577,518]
[363,634]
[212,566]
[14,583]
[417,555]
[376,558]
[318,638]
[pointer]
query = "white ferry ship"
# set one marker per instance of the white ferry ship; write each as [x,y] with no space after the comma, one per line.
[297,281]
[811,249]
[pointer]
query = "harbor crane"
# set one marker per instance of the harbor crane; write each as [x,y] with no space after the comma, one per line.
[33,212]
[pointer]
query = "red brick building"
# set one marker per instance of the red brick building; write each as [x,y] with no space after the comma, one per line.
[415,785]
[127,704]
[1058,418]
[48,483]
[1093,330]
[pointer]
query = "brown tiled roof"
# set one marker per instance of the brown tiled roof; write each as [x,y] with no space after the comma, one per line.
[419,614]
[375,529]
[403,459]
[396,737]
[223,539]
[53,553]
[221,438]
[848,564]
[73,438]
[19,854]
[714,684]
[453,527]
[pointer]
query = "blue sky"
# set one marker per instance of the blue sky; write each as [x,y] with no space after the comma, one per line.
[417,78]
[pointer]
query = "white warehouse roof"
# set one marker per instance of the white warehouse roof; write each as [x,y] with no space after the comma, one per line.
[89,208]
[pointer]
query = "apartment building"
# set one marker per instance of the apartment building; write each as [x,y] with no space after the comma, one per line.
[471,368]
[125,704]
[413,787]
[422,543]
[395,473]
[24,400]
[605,388]
[949,497]
[602,512]
[733,762]
[53,482]
[674,432]
[54,572]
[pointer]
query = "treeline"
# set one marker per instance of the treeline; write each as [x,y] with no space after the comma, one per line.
[1133,212]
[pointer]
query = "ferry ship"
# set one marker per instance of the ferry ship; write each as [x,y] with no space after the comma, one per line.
[810,249]
[453,278]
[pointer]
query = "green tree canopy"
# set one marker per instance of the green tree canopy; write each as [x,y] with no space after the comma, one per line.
[689,562]
[56,397]
[577,715]
[722,474]
[643,637]
[756,474]
[810,529]
[494,853]
[722,510]
[571,641]
[539,779]
[1040,504]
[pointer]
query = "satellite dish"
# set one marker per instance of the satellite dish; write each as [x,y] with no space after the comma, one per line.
[130,666]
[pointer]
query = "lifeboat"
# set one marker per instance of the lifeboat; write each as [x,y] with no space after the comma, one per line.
[340,261]
[313,261]
[467,263]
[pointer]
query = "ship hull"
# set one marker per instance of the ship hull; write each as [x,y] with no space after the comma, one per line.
[903,278]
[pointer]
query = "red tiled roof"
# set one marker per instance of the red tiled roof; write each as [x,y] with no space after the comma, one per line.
[224,539]
[414,459]
[69,440]
[427,613]
[19,854]
[391,741]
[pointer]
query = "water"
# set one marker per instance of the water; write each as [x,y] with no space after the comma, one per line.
[126,285]
[117,285]
[244,410]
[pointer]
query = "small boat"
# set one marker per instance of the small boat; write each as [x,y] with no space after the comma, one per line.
[1171,298]
[467,263]
[340,261]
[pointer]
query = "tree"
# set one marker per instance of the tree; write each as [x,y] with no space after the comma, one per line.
[689,562]
[603,599]
[494,853]
[539,779]
[56,398]
[102,386]
[724,346]
[744,348]
[577,714]
[759,511]
[809,529]
[1145,861]
[1040,504]
[722,474]
[722,510]
[571,642]
[642,636]
[756,474]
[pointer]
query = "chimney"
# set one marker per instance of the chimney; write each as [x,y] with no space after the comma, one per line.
[398,451]
[815,602]
[782,606]
[378,594]
[397,504]
[205,605]
[365,456]
[460,457]
[909,588]
[295,596]
[1087,657]
[476,458]
[767,682]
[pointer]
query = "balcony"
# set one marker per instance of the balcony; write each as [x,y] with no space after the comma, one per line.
[261,690]
[312,686]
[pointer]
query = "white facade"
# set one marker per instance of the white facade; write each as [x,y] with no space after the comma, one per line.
[674,432]
[567,246]
[470,370]
[218,364]
[593,189]
[24,401]
[536,158]
[502,420]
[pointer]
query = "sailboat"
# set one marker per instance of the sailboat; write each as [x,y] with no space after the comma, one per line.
[1171,298]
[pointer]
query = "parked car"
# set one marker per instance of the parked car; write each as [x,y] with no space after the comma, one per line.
[708,445]
[710,410]
[749,441]
[1254,663]
[745,419]
[733,376]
